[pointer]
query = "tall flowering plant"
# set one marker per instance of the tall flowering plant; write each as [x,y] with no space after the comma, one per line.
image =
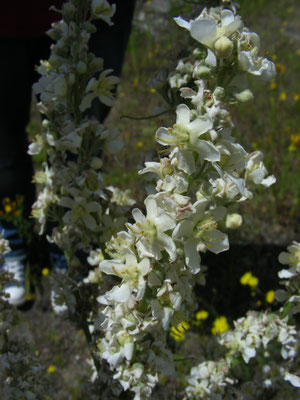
[152,262]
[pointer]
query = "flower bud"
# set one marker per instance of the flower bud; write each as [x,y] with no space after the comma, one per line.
[219,92]
[223,47]
[233,221]
[81,67]
[96,163]
[202,72]
[167,168]
[68,11]
[245,96]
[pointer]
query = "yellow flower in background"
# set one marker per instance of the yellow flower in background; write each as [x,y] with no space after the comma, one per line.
[274,57]
[295,142]
[280,68]
[139,145]
[178,333]
[152,90]
[273,85]
[220,325]
[135,82]
[8,208]
[298,52]
[45,271]
[253,282]
[245,278]
[296,96]
[249,279]
[51,369]
[283,96]
[202,315]
[270,296]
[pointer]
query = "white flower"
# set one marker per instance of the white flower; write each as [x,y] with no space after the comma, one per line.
[81,209]
[200,231]
[185,134]
[256,171]
[101,88]
[132,272]
[151,239]
[103,10]
[206,30]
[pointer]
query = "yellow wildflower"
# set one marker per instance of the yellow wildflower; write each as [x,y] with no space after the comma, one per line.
[283,96]
[270,296]
[139,144]
[253,282]
[274,57]
[295,142]
[201,315]
[152,90]
[246,278]
[178,333]
[298,52]
[273,85]
[296,96]
[8,208]
[280,68]
[51,369]
[135,82]
[220,325]
[45,271]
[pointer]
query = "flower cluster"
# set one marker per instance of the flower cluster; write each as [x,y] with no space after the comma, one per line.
[256,334]
[73,191]
[204,169]
[291,276]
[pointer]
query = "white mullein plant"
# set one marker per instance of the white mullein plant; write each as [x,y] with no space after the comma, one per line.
[73,191]
[157,257]
[252,336]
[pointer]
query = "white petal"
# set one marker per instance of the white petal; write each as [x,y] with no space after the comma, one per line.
[204,30]
[111,266]
[119,294]
[207,150]
[183,229]
[183,114]
[186,161]
[293,379]
[138,215]
[201,125]
[192,257]
[216,241]
[152,208]
[169,245]
[227,17]
[128,350]
[164,137]
[182,23]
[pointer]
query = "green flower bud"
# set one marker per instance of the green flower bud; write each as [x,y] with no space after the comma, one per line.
[245,96]
[223,47]
[219,92]
[96,163]
[81,67]
[202,72]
